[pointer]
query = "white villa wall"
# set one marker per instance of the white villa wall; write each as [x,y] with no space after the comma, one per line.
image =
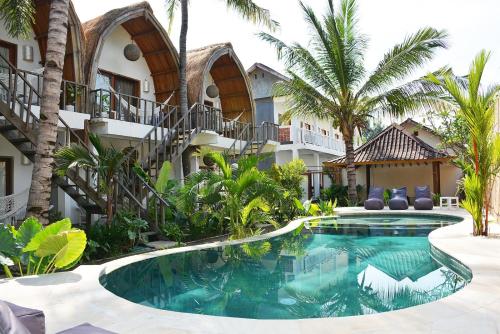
[495,196]
[22,64]
[208,80]
[113,60]
[409,176]
[21,173]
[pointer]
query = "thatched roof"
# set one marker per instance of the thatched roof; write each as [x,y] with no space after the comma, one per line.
[157,49]
[229,75]
[73,69]
[393,145]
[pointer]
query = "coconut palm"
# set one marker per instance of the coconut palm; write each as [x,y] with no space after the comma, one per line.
[246,8]
[19,16]
[107,164]
[476,106]
[328,78]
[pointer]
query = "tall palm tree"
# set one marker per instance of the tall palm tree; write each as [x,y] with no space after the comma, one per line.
[329,79]
[107,164]
[246,8]
[19,16]
[476,106]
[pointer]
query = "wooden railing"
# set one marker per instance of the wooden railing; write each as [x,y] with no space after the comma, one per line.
[73,95]
[82,180]
[113,105]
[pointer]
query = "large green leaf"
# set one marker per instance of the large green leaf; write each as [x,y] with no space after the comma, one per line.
[28,229]
[8,245]
[162,180]
[67,246]
[52,229]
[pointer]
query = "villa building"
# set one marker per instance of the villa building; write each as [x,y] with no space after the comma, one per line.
[404,155]
[121,81]
[312,140]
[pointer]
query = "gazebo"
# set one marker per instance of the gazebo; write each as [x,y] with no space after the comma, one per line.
[397,157]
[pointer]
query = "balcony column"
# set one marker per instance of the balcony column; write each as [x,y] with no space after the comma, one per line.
[317,175]
[295,154]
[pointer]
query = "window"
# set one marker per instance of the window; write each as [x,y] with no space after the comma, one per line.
[325,132]
[8,51]
[307,126]
[5,176]
[337,136]
[255,76]
[120,84]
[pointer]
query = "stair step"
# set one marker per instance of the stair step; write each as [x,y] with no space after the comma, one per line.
[19,140]
[6,128]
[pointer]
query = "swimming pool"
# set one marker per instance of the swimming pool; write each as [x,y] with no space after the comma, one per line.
[352,265]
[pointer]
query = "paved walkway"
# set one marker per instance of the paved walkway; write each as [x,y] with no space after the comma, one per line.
[75,297]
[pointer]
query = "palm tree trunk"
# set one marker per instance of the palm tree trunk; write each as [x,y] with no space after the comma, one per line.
[351,170]
[182,58]
[109,204]
[39,197]
[185,159]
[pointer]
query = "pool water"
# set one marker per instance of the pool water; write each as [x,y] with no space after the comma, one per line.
[327,268]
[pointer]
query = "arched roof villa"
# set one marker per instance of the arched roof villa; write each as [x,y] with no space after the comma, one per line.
[105,63]
[218,65]
[29,54]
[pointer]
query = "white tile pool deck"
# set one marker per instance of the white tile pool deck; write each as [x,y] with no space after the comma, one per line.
[71,298]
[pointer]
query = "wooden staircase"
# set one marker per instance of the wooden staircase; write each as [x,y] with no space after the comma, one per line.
[253,141]
[19,125]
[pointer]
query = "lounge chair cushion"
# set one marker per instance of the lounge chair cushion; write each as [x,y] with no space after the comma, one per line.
[423,204]
[9,323]
[33,320]
[374,204]
[398,199]
[423,198]
[85,328]
[375,199]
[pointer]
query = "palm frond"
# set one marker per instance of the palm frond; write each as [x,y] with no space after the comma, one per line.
[171,7]
[250,11]
[404,58]
[18,16]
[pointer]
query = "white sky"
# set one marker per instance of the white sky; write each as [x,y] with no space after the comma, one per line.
[472,25]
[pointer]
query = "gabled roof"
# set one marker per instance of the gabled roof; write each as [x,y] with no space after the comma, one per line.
[393,145]
[267,69]
[411,121]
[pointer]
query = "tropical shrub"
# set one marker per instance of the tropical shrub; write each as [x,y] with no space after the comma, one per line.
[120,237]
[33,249]
[289,177]
[339,193]
[322,208]
[233,197]
[106,164]
[481,160]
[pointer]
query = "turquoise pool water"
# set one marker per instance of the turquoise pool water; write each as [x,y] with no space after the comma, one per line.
[350,266]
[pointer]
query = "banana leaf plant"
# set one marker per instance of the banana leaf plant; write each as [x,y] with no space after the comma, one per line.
[34,249]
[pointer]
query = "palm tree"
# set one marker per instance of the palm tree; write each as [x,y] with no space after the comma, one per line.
[19,16]
[234,195]
[476,106]
[329,80]
[107,164]
[246,8]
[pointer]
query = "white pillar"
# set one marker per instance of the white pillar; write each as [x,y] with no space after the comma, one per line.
[316,180]
[295,154]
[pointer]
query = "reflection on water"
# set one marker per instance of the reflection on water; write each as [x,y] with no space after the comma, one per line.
[325,271]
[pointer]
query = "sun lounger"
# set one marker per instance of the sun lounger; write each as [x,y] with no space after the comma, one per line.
[423,198]
[375,199]
[398,199]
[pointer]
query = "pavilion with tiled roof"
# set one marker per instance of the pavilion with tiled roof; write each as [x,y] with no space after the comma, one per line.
[396,147]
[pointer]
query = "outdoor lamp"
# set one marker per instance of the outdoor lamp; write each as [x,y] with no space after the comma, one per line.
[27,53]
[212,91]
[132,52]
[145,86]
